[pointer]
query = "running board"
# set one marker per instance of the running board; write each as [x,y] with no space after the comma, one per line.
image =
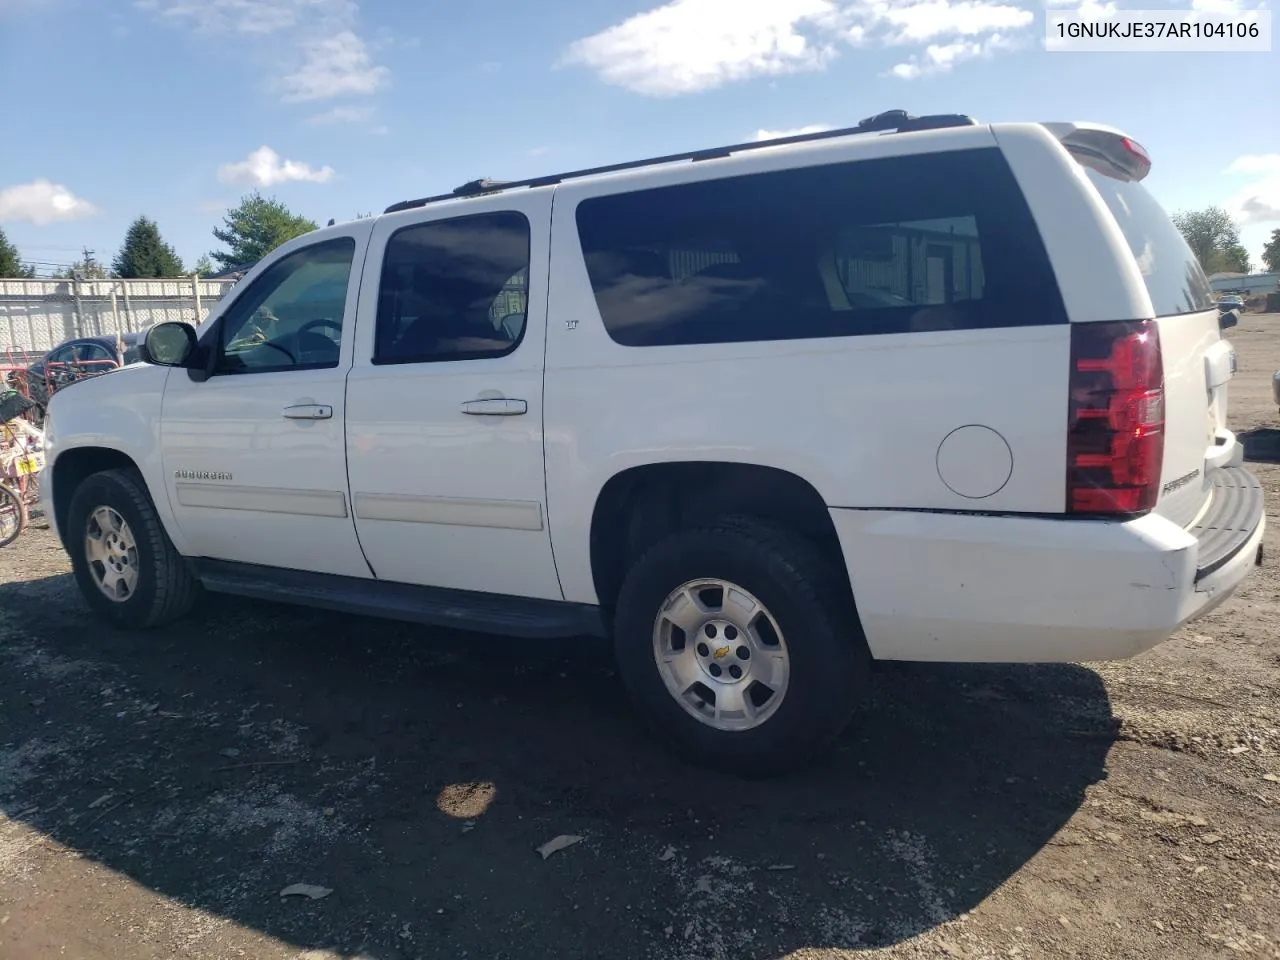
[433,606]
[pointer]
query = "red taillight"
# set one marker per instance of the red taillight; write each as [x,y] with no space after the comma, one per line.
[1115,434]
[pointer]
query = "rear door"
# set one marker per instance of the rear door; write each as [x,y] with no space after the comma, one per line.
[1198,362]
[444,403]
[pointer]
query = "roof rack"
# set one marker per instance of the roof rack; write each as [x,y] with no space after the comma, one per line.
[891,121]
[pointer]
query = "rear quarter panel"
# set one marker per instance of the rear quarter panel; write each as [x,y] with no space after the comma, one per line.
[1097,275]
[1101,280]
[860,418]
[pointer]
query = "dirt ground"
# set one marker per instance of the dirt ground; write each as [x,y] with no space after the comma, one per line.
[159,791]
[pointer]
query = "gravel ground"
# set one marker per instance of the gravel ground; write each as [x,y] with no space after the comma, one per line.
[159,791]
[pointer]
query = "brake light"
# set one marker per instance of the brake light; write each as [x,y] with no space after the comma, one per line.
[1140,158]
[1115,431]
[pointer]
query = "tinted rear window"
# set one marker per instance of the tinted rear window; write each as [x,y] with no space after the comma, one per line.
[455,289]
[1174,278]
[897,245]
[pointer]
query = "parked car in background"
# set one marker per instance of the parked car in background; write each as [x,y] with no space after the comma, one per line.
[1231,301]
[76,359]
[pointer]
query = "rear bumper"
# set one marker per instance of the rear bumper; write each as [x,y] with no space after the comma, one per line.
[963,587]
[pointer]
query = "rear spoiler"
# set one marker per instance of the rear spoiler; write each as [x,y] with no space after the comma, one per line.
[1104,143]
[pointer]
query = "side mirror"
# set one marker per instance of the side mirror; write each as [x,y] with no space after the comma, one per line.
[1228,319]
[170,344]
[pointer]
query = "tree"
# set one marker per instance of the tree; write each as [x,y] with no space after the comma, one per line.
[204,266]
[1271,252]
[1214,239]
[255,228]
[145,255]
[10,266]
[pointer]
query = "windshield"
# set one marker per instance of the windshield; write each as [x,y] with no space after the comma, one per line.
[1173,275]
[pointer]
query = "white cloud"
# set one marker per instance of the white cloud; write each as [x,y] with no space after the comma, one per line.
[1256,163]
[690,45]
[920,22]
[1258,202]
[41,202]
[793,132]
[1216,6]
[342,115]
[687,46]
[264,168]
[334,66]
[245,16]
[941,58]
[314,43]
[1089,9]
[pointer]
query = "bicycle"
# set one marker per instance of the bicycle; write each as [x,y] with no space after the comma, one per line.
[21,460]
[13,514]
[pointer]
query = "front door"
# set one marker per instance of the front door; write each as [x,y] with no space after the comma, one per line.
[254,456]
[444,402]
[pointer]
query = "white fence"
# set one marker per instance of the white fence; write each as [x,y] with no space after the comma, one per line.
[37,315]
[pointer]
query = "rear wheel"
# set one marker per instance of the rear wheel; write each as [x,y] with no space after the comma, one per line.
[739,643]
[13,515]
[125,564]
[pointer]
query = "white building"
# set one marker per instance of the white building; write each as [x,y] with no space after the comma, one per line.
[1252,285]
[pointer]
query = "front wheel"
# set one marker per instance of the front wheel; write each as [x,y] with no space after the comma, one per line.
[127,568]
[740,644]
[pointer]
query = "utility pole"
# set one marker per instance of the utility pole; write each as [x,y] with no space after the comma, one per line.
[77,278]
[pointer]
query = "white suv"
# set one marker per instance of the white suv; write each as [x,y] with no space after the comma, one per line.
[922,389]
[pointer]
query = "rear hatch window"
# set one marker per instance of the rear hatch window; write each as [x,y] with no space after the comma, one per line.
[1173,276]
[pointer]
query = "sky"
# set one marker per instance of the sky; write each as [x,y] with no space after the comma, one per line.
[176,109]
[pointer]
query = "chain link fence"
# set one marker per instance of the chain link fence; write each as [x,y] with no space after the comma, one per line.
[37,315]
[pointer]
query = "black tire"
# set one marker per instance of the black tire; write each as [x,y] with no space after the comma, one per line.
[166,588]
[13,515]
[811,602]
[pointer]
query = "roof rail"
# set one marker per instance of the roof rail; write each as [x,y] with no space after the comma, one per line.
[891,121]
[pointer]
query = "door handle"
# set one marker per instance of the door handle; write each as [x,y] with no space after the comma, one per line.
[495,407]
[308,411]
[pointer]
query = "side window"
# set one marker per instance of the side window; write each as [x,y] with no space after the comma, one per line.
[906,244]
[454,290]
[62,355]
[291,317]
[95,354]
